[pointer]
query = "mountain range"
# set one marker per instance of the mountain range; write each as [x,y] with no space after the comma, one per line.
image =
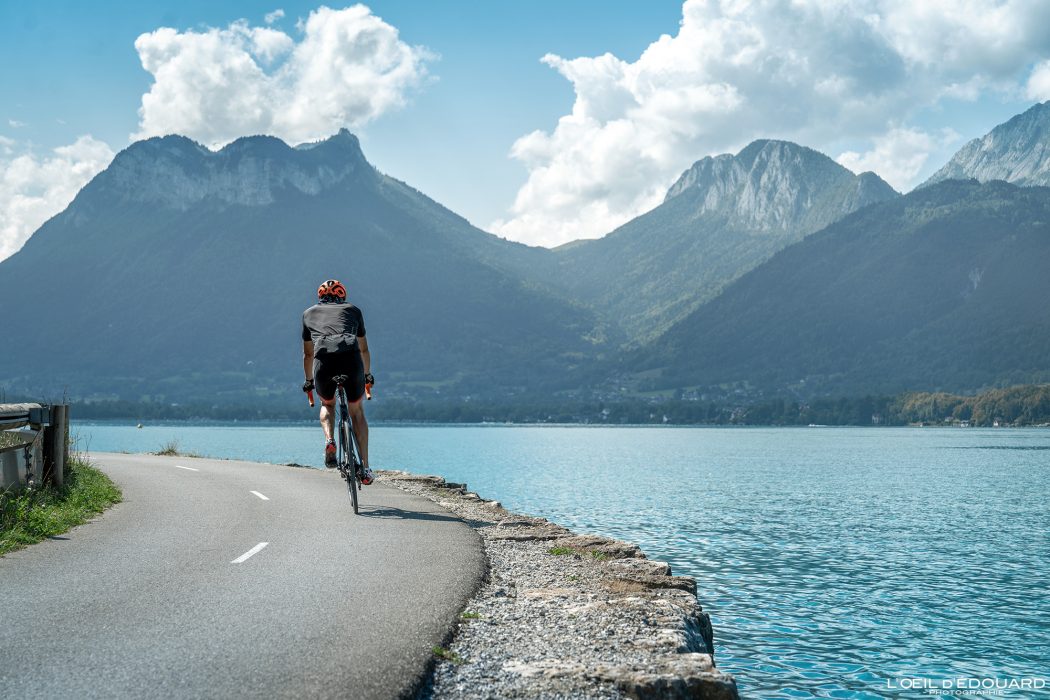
[183,272]
[179,274]
[943,289]
[724,216]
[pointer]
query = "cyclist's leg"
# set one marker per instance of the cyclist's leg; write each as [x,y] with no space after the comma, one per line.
[326,391]
[328,418]
[325,388]
[360,426]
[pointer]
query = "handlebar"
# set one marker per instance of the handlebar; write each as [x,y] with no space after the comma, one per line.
[368,394]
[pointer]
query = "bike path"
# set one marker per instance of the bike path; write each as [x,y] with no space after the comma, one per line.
[146,601]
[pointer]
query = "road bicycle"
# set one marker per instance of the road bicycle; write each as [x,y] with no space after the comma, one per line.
[348,461]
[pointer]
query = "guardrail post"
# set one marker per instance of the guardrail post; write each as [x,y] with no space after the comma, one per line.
[56,445]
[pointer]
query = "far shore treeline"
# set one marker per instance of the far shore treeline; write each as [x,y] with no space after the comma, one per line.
[1014,406]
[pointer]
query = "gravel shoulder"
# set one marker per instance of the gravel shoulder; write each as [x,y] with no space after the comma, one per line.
[562,615]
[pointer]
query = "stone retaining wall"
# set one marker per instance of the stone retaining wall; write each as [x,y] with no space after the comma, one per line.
[563,615]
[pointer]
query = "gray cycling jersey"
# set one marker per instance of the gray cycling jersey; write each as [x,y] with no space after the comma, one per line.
[334,328]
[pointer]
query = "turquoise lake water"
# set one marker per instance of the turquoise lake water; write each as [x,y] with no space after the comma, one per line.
[835,562]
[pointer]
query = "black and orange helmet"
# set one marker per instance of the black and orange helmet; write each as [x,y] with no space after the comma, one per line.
[331,290]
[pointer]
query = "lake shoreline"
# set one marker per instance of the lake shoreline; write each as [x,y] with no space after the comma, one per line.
[566,614]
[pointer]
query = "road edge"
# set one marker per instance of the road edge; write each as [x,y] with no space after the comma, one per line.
[658,617]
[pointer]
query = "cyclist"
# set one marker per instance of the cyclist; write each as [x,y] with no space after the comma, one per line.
[334,343]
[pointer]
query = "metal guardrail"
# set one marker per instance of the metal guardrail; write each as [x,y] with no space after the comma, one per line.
[40,455]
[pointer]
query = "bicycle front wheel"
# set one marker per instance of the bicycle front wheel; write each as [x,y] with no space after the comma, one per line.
[351,466]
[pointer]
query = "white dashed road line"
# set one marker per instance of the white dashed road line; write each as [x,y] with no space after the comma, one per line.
[250,553]
[260,495]
[189,469]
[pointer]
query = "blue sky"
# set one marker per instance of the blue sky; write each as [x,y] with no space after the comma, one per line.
[537,150]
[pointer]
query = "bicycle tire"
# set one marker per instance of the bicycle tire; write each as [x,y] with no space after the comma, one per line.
[351,472]
[349,458]
[357,459]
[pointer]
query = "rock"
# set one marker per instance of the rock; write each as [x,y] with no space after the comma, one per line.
[527,529]
[636,567]
[525,534]
[592,544]
[681,676]
[643,581]
[398,475]
[687,584]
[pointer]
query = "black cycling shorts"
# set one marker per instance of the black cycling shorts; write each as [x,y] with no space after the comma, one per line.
[328,366]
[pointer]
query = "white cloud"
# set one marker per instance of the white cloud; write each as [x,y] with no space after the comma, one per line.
[272,17]
[817,72]
[898,155]
[32,189]
[1038,87]
[15,124]
[348,67]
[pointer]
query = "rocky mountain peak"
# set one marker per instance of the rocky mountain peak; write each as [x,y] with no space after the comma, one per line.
[775,185]
[341,144]
[176,171]
[1017,151]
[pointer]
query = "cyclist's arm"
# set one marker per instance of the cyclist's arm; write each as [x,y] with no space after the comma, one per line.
[366,359]
[308,359]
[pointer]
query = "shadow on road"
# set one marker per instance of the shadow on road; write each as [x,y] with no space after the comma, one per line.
[392,512]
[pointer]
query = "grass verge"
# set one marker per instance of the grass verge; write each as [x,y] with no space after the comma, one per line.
[31,516]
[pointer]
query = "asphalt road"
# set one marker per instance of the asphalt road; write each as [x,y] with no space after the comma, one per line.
[156,599]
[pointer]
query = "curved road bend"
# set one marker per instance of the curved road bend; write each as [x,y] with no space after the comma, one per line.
[147,600]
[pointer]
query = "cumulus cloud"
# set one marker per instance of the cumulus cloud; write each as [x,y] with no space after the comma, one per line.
[272,17]
[1038,87]
[821,73]
[33,189]
[898,155]
[347,68]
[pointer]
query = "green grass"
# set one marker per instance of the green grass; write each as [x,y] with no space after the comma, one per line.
[171,449]
[31,516]
[599,556]
[450,656]
[470,615]
[561,551]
